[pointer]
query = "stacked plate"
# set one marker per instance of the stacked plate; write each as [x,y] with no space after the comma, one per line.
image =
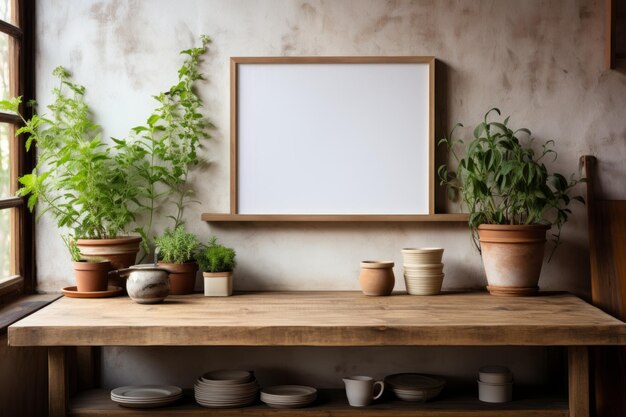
[423,270]
[288,396]
[415,387]
[146,396]
[226,389]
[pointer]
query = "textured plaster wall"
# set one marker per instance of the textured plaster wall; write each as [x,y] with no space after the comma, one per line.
[540,61]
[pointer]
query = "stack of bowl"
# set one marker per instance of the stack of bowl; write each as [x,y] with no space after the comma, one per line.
[495,384]
[423,270]
[226,389]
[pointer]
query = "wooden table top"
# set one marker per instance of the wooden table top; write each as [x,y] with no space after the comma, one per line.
[335,318]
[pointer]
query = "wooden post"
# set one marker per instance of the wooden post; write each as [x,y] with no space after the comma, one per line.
[578,373]
[57,382]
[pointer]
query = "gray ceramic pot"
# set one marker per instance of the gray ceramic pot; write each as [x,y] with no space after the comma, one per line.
[146,284]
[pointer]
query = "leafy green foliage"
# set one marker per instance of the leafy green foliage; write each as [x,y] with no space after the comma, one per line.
[216,258]
[76,179]
[97,190]
[501,181]
[177,246]
[162,152]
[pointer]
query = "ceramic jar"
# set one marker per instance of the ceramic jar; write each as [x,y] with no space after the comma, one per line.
[218,284]
[376,277]
[147,284]
[495,384]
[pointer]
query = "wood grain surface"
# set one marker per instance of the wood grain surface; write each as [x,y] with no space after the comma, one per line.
[437,217]
[334,318]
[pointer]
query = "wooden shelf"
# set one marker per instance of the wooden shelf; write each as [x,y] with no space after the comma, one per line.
[333,403]
[440,217]
[322,318]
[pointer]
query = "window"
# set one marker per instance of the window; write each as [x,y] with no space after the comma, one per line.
[16,79]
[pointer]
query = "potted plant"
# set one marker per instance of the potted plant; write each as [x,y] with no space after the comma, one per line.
[217,263]
[513,200]
[176,252]
[99,190]
[76,179]
[92,274]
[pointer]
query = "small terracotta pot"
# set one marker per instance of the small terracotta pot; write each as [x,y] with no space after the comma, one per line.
[512,257]
[182,277]
[121,251]
[92,276]
[377,277]
[218,284]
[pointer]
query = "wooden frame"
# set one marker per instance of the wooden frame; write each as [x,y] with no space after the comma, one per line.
[615,26]
[21,162]
[234,214]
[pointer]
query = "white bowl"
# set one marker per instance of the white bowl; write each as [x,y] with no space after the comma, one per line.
[495,374]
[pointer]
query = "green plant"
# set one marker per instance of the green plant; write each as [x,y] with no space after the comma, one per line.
[502,181]
[164,150]
[177,246]
[97,190]
[216,258]
[76,178]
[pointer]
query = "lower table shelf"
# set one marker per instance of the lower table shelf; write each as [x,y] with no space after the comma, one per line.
[333,403]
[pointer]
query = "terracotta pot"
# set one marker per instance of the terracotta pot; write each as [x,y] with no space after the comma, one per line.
[512,257]
[92,276]
[218,284]
[121,251]
[182,277]
[377,277]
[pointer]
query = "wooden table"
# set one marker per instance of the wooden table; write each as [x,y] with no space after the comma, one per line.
[324,319]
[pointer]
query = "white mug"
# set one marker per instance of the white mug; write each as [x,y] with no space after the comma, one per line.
[360,390]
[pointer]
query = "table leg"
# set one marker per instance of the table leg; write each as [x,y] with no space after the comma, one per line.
[578,375]
[57,382]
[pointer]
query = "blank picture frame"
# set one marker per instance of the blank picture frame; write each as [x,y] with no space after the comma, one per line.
[340,137]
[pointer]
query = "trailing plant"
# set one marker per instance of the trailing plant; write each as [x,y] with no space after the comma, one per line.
[216,258]
[502,181]
[76,178]
[164,150]
[177,246]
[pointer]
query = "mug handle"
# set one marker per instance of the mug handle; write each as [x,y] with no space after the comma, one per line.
[381,384]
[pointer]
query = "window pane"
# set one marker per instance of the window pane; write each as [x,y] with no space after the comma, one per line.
[8,66]
[6,137]
[8,11]
[5,243]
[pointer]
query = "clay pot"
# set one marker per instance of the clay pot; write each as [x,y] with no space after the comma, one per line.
[121,251]
[182,277]
[377,277]
[92,276]
[512,257]
[218,284]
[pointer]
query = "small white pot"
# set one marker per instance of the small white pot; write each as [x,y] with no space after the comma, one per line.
[495,393]
[218,284]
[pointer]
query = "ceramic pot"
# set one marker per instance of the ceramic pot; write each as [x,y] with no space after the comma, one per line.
[495,393]
[182,277]
[376,277]
[218,284]
[92,276]
[121,251]
[146,284]
[512,257]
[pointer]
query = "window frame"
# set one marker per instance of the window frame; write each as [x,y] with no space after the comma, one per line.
[21,162]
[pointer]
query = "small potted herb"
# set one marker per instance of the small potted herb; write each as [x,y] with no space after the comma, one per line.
[176,253]
[92,273]
[217,263]
[513,200]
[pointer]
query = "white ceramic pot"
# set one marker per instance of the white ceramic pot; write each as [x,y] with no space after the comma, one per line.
[146,283]
[495,374]
[423,285]
[495,393]
[416,256]
[218,284]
